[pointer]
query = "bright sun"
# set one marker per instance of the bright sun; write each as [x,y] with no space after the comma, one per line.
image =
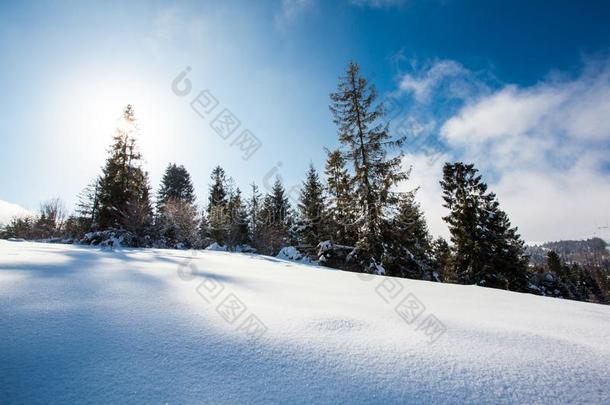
[93,107]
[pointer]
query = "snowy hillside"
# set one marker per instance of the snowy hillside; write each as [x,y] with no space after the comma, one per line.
[157,326]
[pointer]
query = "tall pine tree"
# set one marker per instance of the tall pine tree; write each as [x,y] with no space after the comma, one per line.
[366,143]
[408,242]
[341,218]
[312,212]
[275,220]
[123,199]
[177,220]
[87,209]
[176,184]
[238,233]
[254,217]
[218,219]
[487,250]
[441,261]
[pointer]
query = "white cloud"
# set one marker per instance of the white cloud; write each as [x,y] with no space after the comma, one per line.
[544,149]
[552,205]
[290,10]
[10,210]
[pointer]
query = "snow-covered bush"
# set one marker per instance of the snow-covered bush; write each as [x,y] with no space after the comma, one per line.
[294,255]
[244,249]
[290,253]
[216,247]
[110,238]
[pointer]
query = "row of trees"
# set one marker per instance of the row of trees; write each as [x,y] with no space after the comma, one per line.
[48,223]
[354,218]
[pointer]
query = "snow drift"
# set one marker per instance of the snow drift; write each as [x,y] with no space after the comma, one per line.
[160,326]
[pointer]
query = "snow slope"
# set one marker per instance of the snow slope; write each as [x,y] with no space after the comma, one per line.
[133,326]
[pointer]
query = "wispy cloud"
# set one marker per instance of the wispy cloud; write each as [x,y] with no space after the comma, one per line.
[378,3]
[447,76]
[176,27]
[290,10]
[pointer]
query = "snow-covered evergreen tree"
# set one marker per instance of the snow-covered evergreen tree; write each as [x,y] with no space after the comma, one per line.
[275,220]
[461,193]
[502,249]
[254,217]
[238,232]
[176,184]
[441,261]
[218,188]
[87,209]
[341,210]
[177,220]
[312,226]
[408,242]
[366,143]
[123,199]
[204,236]
[487,249]
[218,216]
[138,216]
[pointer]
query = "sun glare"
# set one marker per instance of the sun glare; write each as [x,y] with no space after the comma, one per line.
[92,107]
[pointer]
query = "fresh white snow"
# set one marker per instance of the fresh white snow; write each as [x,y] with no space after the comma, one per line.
[78,325]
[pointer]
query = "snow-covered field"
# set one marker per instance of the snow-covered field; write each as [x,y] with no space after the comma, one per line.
[158,326]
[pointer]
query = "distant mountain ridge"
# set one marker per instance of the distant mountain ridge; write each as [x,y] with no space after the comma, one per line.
[594,251]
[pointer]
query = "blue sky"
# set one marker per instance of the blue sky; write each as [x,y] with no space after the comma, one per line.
[520,88]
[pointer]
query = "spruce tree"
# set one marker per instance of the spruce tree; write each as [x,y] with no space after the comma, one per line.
[560,279]
[176,184]
[177,220]
[502,248]
[238,233]
[138,218]
[280,206]
[254,217]
[123,199]
[461,187]
[553,263]
[218,219]
[342,213]
[366,143]
[204,236]
[312,213]
[341,218]
[218,188]
[408,242]
[441,261]
[275,220]
[87,208]
[487,249]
